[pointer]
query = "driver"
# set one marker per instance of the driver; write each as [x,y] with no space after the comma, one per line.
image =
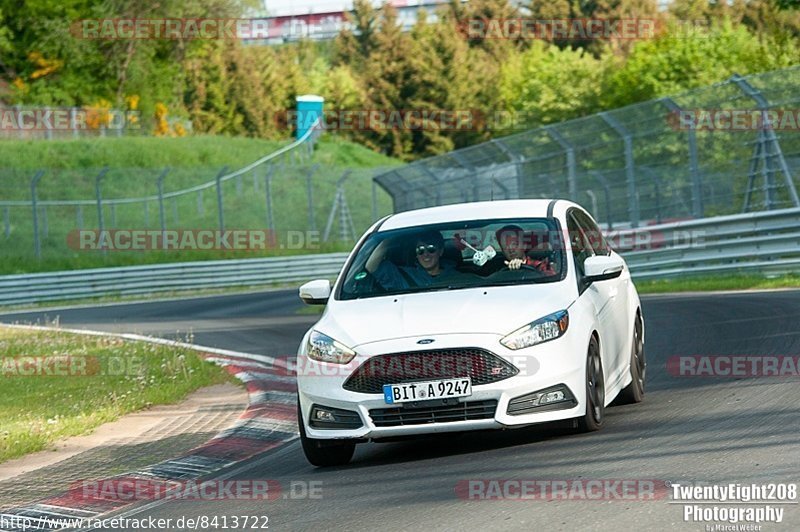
[515,244]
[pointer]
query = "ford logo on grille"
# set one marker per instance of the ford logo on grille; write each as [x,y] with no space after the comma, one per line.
[426,341]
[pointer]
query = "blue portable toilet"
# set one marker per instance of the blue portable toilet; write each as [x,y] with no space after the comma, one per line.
[309,108]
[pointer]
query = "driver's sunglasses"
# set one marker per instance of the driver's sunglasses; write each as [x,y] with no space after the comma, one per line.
[427,248]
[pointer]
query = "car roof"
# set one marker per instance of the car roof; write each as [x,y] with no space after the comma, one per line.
[479,210]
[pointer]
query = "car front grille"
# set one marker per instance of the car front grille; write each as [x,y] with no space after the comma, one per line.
[467,411]
[479,364]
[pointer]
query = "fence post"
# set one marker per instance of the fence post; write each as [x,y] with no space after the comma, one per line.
[99,197]
[220,207]
[37,246]
[312,225]
[268,189]
[73,123]
[630,177]
[767,137]
[7,222]
[113,214]
[340,206]
[161,217]
[374,200]
[694,167]
[200,207]
[146,213]
[607,194]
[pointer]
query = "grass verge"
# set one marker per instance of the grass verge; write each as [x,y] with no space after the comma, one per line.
[718,282]
[92,380]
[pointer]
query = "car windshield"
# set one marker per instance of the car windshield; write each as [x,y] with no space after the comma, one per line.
[455,255]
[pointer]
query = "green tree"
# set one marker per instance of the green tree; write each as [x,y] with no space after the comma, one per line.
[676,61]
[546,84]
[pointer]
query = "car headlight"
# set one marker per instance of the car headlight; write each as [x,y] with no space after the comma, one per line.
[542,330]
[323,348]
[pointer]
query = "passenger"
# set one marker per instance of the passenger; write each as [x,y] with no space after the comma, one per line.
[427,269]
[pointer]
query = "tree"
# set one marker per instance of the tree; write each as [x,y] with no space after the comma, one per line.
[546,84]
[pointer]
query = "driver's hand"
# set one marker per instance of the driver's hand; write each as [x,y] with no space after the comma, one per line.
[514,264]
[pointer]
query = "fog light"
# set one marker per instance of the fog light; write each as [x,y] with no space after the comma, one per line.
[325,417]
[551,397]
[554,398]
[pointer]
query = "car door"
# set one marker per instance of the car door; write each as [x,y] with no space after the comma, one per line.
[599,294]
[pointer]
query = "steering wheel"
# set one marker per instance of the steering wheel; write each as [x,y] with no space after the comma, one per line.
[526,266]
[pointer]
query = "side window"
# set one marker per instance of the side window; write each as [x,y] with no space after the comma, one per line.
[593,233]
[581,248]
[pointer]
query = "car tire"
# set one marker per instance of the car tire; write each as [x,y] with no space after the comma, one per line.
[634,392]
[324,453]
[594,416]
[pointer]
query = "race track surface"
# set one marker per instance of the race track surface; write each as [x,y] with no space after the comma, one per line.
[689,429]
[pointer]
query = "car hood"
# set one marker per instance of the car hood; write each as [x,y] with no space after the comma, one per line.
[491,310]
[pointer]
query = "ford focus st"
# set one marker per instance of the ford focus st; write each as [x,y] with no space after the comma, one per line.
[466,317]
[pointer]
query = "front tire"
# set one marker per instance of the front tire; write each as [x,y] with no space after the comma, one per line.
[594,416]
[323,453]
[634,392]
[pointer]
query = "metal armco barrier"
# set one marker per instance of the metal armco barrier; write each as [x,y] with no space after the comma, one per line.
[152,279]
[760,243]
[764,242]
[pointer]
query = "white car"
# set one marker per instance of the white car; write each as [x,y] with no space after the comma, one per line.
[465,317]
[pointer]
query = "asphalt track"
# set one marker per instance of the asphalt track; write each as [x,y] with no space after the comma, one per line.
[689,429]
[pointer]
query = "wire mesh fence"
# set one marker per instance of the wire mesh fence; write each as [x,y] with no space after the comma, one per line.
[291,201]
[728,148]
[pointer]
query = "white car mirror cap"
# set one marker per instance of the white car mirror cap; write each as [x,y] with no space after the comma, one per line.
[603,267]
[316,292]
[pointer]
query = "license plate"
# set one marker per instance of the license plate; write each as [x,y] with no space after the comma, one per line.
[424,391]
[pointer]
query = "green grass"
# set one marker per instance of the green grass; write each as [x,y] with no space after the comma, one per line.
[719,282]
[134,164]
[37,410]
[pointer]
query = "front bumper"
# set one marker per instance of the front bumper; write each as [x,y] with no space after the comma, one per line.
[561,361]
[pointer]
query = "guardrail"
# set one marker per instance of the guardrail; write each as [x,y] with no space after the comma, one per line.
[764,242]
[143,280]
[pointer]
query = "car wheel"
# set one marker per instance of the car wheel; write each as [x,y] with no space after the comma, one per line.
[634,392]
[323,453]
[594,416]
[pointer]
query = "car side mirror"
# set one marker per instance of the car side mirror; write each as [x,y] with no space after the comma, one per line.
[316,292]
[602,267]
